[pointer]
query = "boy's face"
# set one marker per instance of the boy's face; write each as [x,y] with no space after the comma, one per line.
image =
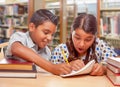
[82,40]
[43,34]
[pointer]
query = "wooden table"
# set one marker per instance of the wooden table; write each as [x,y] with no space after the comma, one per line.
[48,80]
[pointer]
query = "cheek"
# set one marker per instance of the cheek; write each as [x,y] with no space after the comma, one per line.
[74,42]
[89,44]
[37,37]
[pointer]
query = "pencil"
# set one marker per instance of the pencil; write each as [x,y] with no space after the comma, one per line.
[64,56]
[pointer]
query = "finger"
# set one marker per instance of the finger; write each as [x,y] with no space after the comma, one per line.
[78,65]
[66,68]
[97,71]
[94,69]
[100,71]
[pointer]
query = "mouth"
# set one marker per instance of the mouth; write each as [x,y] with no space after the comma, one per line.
[45,43]
[80,50]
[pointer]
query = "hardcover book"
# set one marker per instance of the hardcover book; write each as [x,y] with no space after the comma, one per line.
[13,64]
[113,68]
[114,61]
[15,69]
[113,77]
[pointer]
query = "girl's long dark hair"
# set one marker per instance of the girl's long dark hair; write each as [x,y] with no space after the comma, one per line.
[88,23]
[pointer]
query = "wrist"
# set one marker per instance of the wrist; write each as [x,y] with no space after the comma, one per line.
[104,69]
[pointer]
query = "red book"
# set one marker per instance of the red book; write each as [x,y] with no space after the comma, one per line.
[113,77]
[15,68]
[113,68]
[114,61]
[13,64]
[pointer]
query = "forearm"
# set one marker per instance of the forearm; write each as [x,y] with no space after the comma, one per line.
[25,53]
[104,69]
[29,55]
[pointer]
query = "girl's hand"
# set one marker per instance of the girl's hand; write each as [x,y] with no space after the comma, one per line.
[98,70]
[60,69]
[77,64]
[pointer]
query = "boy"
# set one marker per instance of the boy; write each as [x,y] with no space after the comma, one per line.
[32,45]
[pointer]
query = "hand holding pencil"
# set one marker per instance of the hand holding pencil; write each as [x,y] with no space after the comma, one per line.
[76,64]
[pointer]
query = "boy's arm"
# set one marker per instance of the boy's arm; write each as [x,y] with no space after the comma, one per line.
[26,53]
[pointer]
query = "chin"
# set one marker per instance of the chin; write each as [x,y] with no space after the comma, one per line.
[42,46]
[81,52]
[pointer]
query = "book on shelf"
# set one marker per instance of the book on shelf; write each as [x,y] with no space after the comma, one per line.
[114,61]
[85,70]
[113,77]
[15,68]
[109,23]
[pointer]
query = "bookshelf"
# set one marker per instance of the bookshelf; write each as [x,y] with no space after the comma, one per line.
[13,17]
[66,13]
[54,7]
[108,21]
[71,13]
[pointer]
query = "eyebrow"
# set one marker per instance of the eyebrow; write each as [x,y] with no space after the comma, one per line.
[91,36]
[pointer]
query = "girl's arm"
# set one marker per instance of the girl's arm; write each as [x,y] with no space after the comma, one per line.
[98,70]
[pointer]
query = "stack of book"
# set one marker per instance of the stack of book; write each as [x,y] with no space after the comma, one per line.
[14,68]
[113,70]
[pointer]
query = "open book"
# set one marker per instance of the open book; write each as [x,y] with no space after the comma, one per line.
[85,70]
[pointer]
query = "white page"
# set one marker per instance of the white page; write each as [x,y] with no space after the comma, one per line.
[85,70]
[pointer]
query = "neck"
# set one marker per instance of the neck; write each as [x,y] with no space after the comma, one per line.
[83,54]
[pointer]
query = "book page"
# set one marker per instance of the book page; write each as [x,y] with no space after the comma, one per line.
[114,61]
[85,70]
[115,58]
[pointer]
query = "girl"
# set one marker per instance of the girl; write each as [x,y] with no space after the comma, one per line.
[83,46]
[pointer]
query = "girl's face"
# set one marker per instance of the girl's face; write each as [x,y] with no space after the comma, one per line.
[43,34]
[82,40]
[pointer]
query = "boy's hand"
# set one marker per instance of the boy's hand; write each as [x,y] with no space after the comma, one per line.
[77,64]
[60,69]
[98,70]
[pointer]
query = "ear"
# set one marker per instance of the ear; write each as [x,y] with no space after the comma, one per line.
[31,26]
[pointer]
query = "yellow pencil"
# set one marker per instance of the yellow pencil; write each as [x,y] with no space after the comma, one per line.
[64,56]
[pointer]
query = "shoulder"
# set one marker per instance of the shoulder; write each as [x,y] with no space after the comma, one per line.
[18,35]
[98,40]
[57,55]
[61,46]
[101,43]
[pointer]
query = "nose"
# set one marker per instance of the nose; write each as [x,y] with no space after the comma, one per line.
[81,43]
[49,37]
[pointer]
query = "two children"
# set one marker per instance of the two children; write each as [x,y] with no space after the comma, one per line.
[82,46]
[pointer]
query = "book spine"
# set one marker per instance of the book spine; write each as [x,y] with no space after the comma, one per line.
[114,78]
[113,68]
[114,62]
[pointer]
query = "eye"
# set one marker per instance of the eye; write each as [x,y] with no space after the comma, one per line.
[76,37]
[46,32]
[88,39]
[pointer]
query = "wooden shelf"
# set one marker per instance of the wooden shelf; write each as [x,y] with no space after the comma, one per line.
[108,23]
[110,9]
